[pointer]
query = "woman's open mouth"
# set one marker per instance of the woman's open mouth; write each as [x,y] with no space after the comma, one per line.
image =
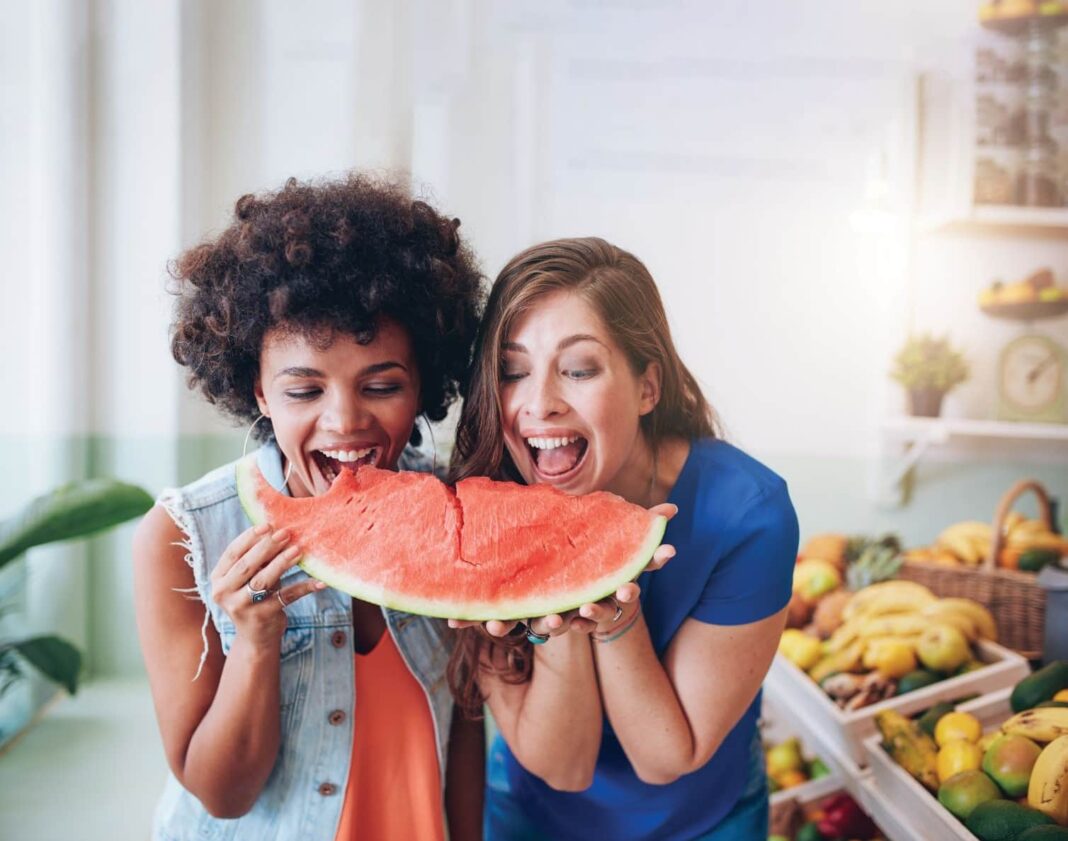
[332,462]
[557,458]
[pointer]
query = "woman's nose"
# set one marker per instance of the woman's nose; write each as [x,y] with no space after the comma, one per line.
[543,399]
[346,414]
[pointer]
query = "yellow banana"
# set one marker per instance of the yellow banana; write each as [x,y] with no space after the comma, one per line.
[1048,789]
[909,746]
[1042,724]
[889,603]
[970,529]
[863,599]
[894,625]
[845,635]
[950,615]
[845,660]
[961,546]
[983,618]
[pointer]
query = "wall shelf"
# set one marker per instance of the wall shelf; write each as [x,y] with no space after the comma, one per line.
[1007,219]
[907,439]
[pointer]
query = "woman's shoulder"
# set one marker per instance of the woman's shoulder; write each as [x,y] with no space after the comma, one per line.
[721,469]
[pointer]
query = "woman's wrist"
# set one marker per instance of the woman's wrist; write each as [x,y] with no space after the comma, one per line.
[618,628]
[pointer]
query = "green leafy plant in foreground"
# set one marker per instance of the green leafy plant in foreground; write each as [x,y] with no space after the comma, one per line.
[77,509]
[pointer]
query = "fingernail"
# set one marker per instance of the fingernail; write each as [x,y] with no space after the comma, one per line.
[320,585]
[292,552]
[452,623]
[280,536]
[262,528]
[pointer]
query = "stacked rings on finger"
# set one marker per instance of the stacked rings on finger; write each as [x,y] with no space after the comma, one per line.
[257,595]
[533,636]
[619,609]
[281,601]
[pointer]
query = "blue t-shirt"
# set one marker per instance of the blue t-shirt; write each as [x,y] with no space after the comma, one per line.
[736,539]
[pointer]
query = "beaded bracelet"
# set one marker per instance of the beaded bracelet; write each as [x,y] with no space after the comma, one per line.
[618,632]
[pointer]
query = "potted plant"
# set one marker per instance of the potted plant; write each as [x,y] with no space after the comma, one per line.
[928,367]
[77,509]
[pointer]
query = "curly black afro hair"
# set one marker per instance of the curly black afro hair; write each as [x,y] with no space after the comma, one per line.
[321,259]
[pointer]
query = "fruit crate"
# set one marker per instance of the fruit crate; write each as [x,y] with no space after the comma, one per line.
[775,727]
[888,817]
[845,731]
[891,783]
[792,718]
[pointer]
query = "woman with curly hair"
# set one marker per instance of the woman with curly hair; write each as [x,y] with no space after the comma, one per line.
[576,383]
[326,317]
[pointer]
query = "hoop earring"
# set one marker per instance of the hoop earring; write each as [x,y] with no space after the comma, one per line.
[433,446]
[244,448]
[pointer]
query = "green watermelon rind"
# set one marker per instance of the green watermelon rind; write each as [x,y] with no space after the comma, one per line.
[542,605]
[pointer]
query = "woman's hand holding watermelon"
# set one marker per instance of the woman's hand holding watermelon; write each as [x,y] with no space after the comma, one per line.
[255,561]
[595,617]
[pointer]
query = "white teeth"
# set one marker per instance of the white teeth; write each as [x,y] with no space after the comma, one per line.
[551,443]
[347,455]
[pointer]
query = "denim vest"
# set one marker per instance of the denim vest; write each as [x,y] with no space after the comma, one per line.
[303,796]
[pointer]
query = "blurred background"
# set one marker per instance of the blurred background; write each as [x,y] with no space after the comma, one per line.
[809,183]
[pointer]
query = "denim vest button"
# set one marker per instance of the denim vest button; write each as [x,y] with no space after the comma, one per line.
[338,639]
[327,789]
[336,717]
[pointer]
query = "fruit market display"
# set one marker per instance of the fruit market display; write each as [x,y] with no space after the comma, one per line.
[1028,545]
[890,638]
[837,816]
[1004,783]
[787,766]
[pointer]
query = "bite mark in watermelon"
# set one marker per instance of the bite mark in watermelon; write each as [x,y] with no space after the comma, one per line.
[486,550]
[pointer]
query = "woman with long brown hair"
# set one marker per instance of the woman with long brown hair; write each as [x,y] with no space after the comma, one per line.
[636,715]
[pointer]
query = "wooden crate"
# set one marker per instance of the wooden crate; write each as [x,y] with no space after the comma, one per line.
[776,727]
[845,732]
[891,783]
[888,817]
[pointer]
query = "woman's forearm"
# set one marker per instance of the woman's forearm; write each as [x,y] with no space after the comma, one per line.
[557,733]
[233,750]
[643,708]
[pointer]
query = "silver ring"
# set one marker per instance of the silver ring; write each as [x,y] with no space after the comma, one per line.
[257,595]
[533,637]
[619,609]
[281,601]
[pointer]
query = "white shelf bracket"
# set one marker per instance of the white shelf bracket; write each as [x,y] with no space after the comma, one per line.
[894,473]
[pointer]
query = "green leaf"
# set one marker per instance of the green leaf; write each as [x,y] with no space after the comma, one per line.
[53,657]
[77,509]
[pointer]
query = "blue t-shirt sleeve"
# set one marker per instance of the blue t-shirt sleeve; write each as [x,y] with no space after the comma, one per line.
[754,575]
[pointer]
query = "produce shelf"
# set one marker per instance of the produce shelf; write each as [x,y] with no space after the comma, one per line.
[845,732]
[890,783]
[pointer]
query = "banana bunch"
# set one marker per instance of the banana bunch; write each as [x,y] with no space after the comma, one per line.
[905,609]
[1047,790]
[1041,724]
[970,541]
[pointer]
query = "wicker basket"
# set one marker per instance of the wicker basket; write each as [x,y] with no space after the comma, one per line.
[1015,598]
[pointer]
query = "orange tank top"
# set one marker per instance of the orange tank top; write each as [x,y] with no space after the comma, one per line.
[394,787]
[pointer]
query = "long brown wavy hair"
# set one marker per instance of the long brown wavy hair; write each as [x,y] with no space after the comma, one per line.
[619,288]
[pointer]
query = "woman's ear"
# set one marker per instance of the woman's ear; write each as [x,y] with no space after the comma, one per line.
[261,401]
[650,388]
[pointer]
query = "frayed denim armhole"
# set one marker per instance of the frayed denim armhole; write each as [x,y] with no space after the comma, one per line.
[172,502]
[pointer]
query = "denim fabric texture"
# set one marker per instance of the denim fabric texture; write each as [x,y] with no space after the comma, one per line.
[303,795]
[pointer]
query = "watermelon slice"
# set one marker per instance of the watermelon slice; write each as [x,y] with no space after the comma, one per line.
[488,550]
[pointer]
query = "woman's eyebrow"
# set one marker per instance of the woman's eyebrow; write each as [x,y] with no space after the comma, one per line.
[298,372]
[377,368]
[564,343]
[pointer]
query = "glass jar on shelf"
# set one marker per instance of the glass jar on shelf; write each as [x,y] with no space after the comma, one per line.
[997,174]
[1039,179]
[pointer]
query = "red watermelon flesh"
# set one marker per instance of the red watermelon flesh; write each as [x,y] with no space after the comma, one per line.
[488,550]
